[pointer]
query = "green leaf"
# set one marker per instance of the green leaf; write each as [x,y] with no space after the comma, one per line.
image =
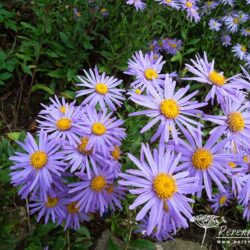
[142,244]
[40,86]
[14,135]
[29,26]
[111,245]
[2,56]
[177,57]
[66,40]
[189,51]
[26,69]
[4,175]
[69,94]
[5,76]
[84,230]
[58,73]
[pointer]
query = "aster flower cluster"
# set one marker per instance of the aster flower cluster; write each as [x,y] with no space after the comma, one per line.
[72,168]
[186,162]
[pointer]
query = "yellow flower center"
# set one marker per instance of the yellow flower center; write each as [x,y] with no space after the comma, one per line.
[63,109]
[101,88]
[116,153]
[82,146]
[202,159]
[138,91]
[72,208]
[236,20]
[189,4]
[246,158]
[173,45]
[243,48]
[168,1]
[165,186]
[170,108]
[98,128]
[98,183]
[38,159]
[232,164]
[222,200]
[103,10]
[150,74]
[216,78]
[209,3]
[51,202]
[63,124]
[236,122]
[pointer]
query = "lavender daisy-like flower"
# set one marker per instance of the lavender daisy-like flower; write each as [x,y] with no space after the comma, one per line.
[39,166]
[73,216]
[205,72]
[168,107]
[214,25]
[103,131]
[246,213]
[240,51]
[100,89]
[139,4]
[235,122]
[159,187]
[170,3]
[64,126]
[144,68]
[52,207]
[205,162]
[192,10]
[172,46]
[221,199]
[245,31]
[91,193]
[229,2]
[208,6]
[62,106]
[226,40]
[154,46]
[232,23]
[247,62]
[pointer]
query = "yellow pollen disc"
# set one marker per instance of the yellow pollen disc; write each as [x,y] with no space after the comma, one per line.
[103,10]
[101,88]
[170,108]
[150,74]
[72,208]
[246,159]
[236,122]
[216,78]
[209,3]
[98,183]
[138,91]
[63,109]
[38,159]
[116,153]
[173,45]
[110,189]
[63,124]
[98,128]
[202,159]
[51,202]
[168,1]
[222,200]
[82,146]
[243,48]
[232,164]
[236,20]
[189,4]
[165,186]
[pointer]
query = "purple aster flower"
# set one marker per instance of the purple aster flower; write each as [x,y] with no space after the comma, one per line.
[139,4]
[144,68]
[229,2]
[154,46]
[246,213]
[73,216]
[245,31]
[59,125]
[240,51]
[102,130]
[62,106]
[104,12]
[247,64]
[221,199]
[232,23]
[168,107]
[91,194]
[172,46]
[226,40]
[205,72]
[234,122]
[207,163]
[243,17]
[208,6]
[39,166]
[192,10]
[51,207]
[77,14]
[159,187]
[100,89]
[170,3]
[214,25]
